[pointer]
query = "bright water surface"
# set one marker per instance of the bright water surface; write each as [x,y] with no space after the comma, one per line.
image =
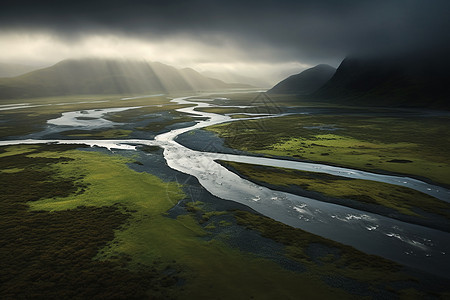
[413,245]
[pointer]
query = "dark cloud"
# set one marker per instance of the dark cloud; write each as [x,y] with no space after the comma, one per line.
[313,31]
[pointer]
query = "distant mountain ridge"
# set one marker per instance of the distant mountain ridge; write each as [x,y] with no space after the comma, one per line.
[408,81]
[305,82]
[412,80]
[103,76]
[10,69]
[234,77]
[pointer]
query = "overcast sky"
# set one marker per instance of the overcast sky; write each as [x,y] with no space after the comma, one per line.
[271,38]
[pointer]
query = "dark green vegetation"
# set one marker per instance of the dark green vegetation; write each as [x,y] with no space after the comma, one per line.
[109,223]
[28,120]
[82,224]
[361,142]
[323,260]
[99,134]
[156,119]
[88,226]
[157,122]
[237,110]
[97,76]
[356,193]
[304,83]
[51,254]
[339,259]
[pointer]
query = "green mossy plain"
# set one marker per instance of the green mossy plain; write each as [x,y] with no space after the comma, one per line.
[49,254]
[161,125]
[91,227]
[142,112]
[138,240]
[399,198]
[332,261]
[366,143]
[27,120]
[99,134]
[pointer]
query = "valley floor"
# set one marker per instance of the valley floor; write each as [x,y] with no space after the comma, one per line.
[81,222]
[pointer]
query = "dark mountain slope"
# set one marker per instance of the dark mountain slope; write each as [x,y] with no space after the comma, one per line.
[305,82]
[402,81]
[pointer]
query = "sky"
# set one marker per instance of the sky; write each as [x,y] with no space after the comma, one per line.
[267,39]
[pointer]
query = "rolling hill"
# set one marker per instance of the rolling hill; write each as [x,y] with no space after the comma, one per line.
[10,70]
[305,82]
[101,76]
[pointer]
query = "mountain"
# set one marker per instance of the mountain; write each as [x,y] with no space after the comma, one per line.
[233,77]
[305,82]
[10,70]
[101,76]
[411,81]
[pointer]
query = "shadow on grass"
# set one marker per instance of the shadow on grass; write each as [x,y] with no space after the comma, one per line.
[50,254]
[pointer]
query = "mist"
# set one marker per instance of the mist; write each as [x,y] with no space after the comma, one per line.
[264,39]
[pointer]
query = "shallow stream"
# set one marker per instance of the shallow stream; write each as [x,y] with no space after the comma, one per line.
[412,245]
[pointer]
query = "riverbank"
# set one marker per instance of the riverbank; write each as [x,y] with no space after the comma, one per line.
[383,199]
[89,212]
[200,248]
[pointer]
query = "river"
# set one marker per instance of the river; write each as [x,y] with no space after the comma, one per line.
[412,245]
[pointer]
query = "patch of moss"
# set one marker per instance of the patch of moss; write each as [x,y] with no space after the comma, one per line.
[74,194]
[11,170]
[362,142]
[143,112]
[163,124]
[210,226]
[50,254]
[224,223]
[106,134]
[32,119]
[149,239]
[349,262]
[401,199]
[149,149]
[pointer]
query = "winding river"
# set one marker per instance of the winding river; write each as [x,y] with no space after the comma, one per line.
[412,245]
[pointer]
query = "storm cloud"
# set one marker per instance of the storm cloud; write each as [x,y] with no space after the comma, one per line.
[260,32]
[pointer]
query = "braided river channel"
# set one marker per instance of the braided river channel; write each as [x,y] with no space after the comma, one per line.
[409,244]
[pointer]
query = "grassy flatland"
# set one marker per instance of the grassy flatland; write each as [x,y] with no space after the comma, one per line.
[400,199]
[89,225]
[50,254]
[336,258]
[158,118]
[99,134]
[415,146]
[135,237]
[31,119]
[167,116]
[325,260]
[240,116]
[129,115]
[237,110]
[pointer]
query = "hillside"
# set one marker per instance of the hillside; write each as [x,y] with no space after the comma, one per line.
[305,82]
[99,76]
[10,70]
[398,82]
